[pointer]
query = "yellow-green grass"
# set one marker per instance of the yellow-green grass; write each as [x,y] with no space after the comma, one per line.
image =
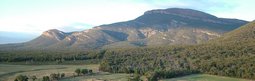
[9,72]
[101,76]
[204,77]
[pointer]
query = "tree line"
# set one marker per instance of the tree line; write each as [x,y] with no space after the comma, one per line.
[49,55]
[55,76]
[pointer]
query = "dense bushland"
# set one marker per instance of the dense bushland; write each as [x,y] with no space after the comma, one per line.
[226,59]
[49,55]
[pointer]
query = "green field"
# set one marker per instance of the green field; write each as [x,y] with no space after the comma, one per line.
[99,77]
[204,77]
[9,72]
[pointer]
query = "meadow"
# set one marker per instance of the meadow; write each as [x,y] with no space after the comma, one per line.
[9,72]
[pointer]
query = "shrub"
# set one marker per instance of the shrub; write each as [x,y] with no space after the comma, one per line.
[46,78]
[84,71]
[78,71]
[21,78]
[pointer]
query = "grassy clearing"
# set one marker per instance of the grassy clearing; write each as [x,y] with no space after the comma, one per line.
[204,77]
[100,76]
[9,72]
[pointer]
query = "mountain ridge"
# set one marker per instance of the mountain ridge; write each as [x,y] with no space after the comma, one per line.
[180,11]
[155,27]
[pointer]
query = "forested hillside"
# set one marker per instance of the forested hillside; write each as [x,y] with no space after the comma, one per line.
[231,56]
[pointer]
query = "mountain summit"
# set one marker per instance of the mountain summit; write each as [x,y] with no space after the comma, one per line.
[155,27]
[182,12]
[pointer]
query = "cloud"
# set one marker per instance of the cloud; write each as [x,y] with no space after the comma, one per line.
[32,16]
[41,18]
[238,9]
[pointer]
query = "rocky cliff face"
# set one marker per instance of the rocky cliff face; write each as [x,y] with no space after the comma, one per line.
[156,27]
[55,34]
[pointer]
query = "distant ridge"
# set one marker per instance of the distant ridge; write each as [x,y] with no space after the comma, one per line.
[172,26]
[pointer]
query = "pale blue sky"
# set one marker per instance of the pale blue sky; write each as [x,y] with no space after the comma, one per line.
[36,16]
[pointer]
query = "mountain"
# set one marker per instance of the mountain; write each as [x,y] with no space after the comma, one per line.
[173,26]
[155,27]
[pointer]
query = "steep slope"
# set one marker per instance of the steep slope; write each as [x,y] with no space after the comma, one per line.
[243,36]
[156,27]
[246,32]
[87,39]
[47,38]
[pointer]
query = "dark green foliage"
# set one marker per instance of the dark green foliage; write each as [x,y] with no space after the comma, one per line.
[53,77]
[225,59]
[84,71]
[46,78]
[21,78]
[57,57]
[78,71]
[141,60]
